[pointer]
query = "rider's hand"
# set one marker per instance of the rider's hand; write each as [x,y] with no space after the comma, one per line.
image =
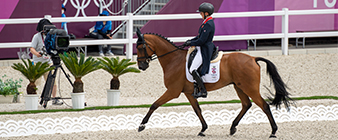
[187,43]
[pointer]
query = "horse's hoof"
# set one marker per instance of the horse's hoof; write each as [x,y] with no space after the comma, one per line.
[233,131]
[273,136]
[141,127]
[201,134]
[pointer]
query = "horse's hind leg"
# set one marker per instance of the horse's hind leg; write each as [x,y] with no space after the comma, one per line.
[246,104]
[252,90]
[257,99]
[167,96]
[198,111]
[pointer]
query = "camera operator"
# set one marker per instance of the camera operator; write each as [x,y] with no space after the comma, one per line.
[37,46]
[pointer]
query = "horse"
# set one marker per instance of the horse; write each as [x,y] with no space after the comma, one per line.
[239,69]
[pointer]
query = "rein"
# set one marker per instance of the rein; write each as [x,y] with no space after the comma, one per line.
[177,48]
[154,56]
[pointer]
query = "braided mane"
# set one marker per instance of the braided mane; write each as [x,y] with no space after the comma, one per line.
[172,43]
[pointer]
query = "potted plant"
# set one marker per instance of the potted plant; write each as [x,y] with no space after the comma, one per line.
[32,73]
[116,68]
[79,68]
[9,90]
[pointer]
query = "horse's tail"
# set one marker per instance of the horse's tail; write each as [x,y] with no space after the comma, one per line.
[282,95]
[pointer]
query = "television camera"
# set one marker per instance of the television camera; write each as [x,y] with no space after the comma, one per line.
[56,41]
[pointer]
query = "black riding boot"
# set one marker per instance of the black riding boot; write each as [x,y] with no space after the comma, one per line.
[202,92]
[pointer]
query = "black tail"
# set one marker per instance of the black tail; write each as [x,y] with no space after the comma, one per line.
[282,95]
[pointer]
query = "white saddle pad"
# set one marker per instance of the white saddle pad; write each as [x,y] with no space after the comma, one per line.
[211,77]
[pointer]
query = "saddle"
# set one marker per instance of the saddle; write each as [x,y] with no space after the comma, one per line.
[192,53]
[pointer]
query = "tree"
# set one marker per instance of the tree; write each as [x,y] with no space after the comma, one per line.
[32,72]
[79,68]
[117,68]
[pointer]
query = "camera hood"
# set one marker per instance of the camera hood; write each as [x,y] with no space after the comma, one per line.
[59,32]
[47,28]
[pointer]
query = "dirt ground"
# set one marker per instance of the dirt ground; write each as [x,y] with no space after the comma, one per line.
[305,75]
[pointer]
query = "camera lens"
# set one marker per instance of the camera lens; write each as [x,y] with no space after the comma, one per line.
[62,42]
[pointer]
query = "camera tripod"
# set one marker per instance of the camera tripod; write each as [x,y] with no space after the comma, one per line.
[49,85]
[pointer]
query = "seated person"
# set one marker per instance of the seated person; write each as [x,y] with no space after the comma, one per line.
[102,30]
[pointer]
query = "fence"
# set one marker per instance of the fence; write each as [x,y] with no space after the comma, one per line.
[285,35]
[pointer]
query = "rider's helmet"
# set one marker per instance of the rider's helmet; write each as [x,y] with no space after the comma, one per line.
[206,7]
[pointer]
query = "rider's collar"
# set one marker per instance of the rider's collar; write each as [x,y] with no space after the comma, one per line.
[207,19]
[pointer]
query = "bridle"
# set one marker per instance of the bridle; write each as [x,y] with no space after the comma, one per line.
[154,56]
[144,48]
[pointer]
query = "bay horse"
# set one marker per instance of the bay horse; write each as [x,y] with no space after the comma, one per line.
[238,69]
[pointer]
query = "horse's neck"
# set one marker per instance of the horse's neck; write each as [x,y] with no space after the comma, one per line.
[173,60]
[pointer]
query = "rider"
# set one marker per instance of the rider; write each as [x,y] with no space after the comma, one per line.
[204,46]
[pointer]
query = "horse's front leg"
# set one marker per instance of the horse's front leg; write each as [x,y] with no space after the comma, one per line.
[198,111]
[167,96]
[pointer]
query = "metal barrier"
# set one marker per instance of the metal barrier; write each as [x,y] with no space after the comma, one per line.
[140,7]
[285,35]
[133,7]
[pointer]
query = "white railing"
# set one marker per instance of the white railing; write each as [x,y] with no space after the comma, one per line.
[285,35]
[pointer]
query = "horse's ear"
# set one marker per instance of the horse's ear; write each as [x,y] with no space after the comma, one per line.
[138,32]
[140,39]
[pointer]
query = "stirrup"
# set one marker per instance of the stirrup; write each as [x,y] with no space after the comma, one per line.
[200,94]
[196,90]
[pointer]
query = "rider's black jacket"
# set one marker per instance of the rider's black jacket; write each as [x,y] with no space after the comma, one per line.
[204,40]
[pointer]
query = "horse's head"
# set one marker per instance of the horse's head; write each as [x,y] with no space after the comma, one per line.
[144,52]
[149,45]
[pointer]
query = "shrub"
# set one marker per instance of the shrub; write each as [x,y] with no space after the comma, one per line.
[9,86]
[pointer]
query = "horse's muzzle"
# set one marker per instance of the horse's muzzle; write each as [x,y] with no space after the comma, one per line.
[143,65]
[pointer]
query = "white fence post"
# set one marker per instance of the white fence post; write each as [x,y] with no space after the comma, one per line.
[129,45]
[285,31]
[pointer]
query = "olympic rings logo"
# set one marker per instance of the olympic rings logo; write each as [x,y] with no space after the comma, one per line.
[82,5]
[104,6]
[79,6]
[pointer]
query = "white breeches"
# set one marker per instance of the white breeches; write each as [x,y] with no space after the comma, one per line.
[197,61]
